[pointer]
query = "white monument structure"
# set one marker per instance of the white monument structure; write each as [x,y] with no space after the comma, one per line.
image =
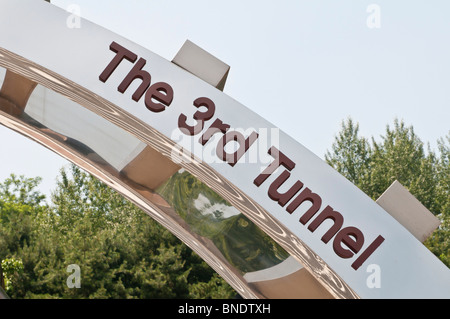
[273,220]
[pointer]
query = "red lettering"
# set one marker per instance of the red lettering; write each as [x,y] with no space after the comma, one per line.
[352,237]
[216,127]
[328,213]
[368,252]
[121,53]
[161,92]
[347,241]
[244,145]
[282,199]
[306,195]
[199,116]
[136,73]
[280,159]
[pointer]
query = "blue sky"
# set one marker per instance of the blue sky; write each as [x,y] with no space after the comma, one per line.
[303,65]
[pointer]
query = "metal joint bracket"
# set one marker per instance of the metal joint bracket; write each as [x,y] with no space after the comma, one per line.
[202,64]
[408,211]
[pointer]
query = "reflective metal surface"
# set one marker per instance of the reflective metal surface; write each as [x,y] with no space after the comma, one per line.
[217,231]
[3,294]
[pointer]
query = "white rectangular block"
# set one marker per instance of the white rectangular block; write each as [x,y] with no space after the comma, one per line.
[202,64]
[408,211]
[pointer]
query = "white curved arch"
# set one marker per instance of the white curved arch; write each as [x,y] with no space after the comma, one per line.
[109,105]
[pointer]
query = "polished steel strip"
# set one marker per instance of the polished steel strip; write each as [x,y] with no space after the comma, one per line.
[150,203]
[3,294]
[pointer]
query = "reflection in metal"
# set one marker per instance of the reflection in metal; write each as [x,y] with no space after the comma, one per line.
[3,294]
[242,243]
[286,280]
[226,239]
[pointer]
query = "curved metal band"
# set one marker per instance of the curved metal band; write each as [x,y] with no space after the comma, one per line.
[148,201]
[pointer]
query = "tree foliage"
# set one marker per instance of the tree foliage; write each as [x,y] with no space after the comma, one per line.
[11,268]
[122,252]
[399,155]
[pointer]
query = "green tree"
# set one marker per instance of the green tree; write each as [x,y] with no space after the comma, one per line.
[121,251]
[135,256]
[439,241]
[20,206]
[401,156]
[350,155]
[10,269]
